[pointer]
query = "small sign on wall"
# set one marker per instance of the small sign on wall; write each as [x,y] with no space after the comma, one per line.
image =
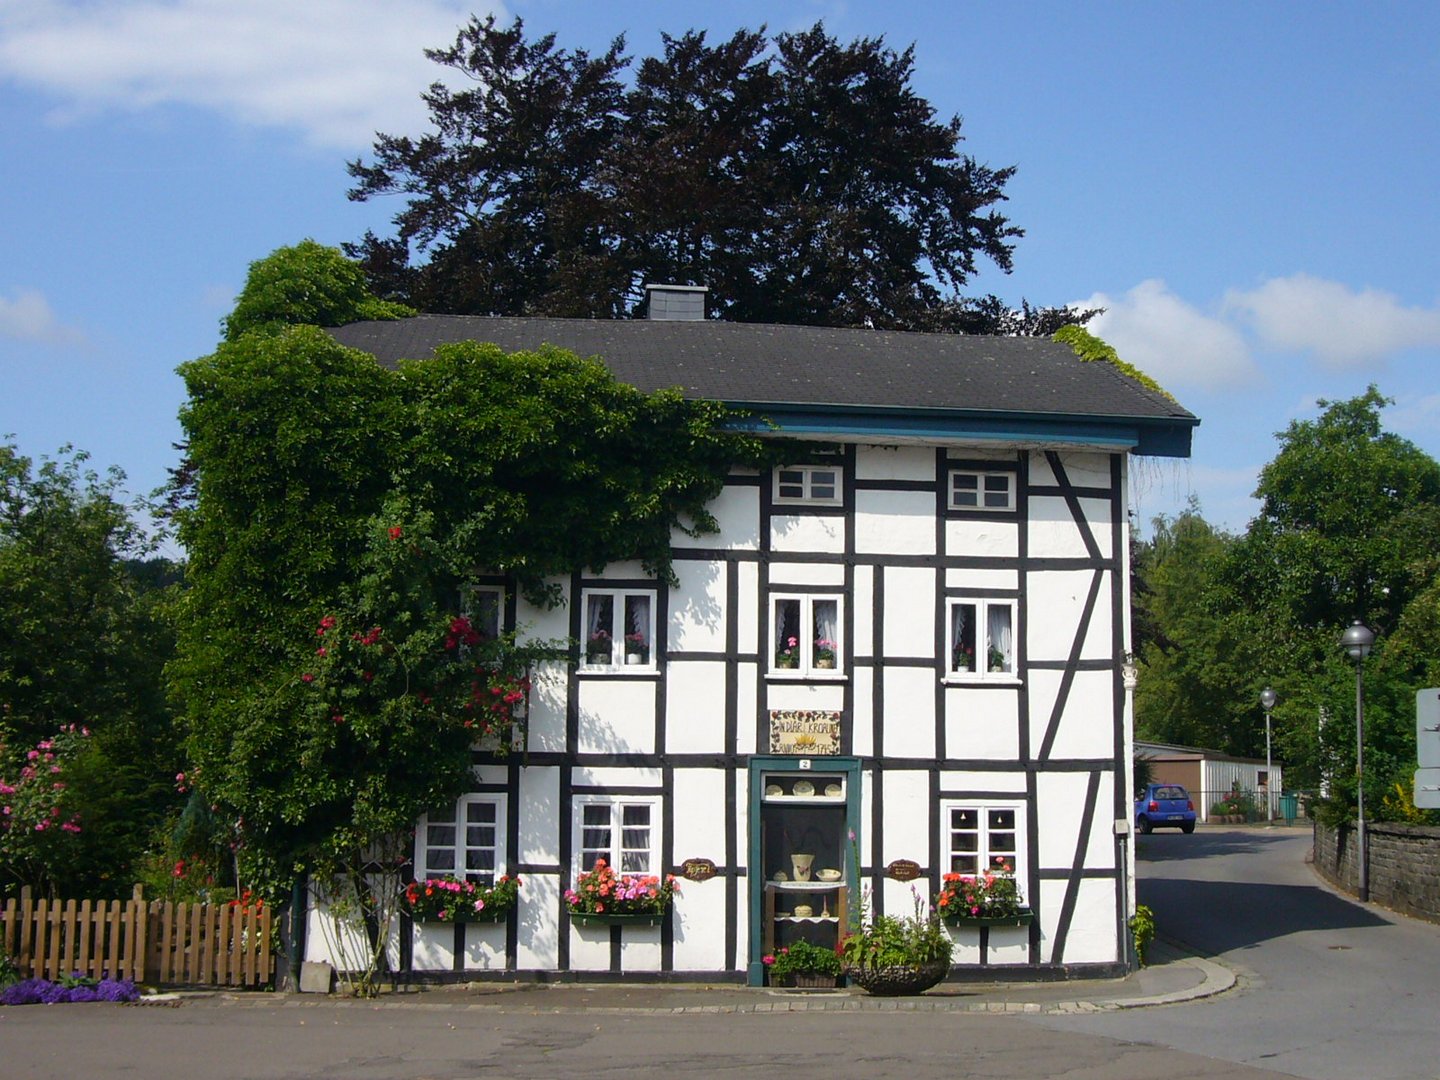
[697,869]
[903,870]
[811,732]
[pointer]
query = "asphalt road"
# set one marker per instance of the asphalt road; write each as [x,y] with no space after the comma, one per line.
[1330,989]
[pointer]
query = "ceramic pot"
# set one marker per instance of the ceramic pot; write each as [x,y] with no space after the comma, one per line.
[800,865]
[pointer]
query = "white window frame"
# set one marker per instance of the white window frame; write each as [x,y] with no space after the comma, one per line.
[461,846]
[470,606]
[805,476]
[614,853]
[806,666]
[983,490]
[618,661]
[981,671]
[985,851]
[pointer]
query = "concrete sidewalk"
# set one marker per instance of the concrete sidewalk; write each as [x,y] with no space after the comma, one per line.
[1173,976]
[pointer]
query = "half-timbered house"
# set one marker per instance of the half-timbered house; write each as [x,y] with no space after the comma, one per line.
[899,660]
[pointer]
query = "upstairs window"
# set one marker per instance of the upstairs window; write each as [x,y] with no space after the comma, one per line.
[816,485]
[981,639]
[806,635]
[484,607]
[982,490]
[619,629]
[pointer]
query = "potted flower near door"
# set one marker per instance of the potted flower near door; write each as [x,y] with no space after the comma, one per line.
[988,899]
[803,965]
[889,956]
[602,897]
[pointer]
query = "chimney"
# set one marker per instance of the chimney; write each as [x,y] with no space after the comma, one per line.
[676,303]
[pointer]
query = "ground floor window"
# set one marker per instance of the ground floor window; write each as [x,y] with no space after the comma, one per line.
[985,838]
[465,840]
[621,830]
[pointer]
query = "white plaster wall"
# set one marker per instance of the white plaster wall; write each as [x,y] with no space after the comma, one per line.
[783,573]
[538,914]
[1060,798]
[895,522]
[699,925]
[546,722]
[895,463]
[617,716]
[695,708]
[1052,531]
[748,599]
[1093,929]
[1056,601]
[982,724]
[1087,726]
[967,578]
[909,716]
[960,780]
[697,608]
[909,612]
[863,602]
[972,537]
[639,948]
[434,947]
[737,510]
[807,532]
[590,947]
[785,694]
[1041,475]
[1010,945]
[862,715]
[905,817]
[485,946]
[1086,469]
[540,622]
[967,945]
[747,703]
[538,815]
[614,776]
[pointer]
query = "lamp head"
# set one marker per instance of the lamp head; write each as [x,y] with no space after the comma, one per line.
[1357,640]
[1267,699]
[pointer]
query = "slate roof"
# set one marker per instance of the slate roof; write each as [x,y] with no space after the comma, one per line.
[821,380]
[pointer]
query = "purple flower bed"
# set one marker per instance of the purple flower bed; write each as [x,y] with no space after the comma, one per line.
[45,992]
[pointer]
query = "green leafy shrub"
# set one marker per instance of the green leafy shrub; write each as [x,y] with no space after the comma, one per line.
[802,958]
[1142,931]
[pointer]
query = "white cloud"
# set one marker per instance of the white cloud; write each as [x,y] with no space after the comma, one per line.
[337,70]
[1343,327]
[28,317]
[1414,415]
[1172,341]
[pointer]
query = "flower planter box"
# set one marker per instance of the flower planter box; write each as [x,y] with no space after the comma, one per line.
[628,918]
[486,916]
[897,981]
[1020,918]
[809,980]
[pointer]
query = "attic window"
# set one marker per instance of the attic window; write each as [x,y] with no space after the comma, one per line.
[809,484]
[982,490]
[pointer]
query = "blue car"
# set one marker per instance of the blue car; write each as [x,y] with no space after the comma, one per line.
[1164,806]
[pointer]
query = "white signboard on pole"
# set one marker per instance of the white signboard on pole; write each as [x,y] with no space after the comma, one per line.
[1427,728]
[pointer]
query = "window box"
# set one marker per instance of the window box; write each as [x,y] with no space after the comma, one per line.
[638,918]
[1021,918]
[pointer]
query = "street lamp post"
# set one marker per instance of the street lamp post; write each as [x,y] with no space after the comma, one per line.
[1356,641]
[1267,702]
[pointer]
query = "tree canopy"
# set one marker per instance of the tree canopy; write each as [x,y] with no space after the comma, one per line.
[1347,529]
[800,179]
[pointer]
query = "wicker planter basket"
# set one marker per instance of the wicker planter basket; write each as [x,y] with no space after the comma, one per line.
[809,980]
[899,980]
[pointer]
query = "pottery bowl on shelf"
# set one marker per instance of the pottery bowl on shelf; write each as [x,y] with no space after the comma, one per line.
[828,875]
[803,911]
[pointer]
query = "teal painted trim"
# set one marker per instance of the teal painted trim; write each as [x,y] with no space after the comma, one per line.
[1152,437]
[850,766]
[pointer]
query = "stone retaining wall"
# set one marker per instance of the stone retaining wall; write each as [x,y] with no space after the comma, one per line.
[1404,864]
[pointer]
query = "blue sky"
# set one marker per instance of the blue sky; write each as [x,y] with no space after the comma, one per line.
[1248,188]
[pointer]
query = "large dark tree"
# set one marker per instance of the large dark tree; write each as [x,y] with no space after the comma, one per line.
[800,179]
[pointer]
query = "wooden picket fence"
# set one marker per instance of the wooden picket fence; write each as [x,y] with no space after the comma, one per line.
[150,942]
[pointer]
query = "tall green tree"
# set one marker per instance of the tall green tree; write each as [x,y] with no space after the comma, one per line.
[801,179]
[84,635]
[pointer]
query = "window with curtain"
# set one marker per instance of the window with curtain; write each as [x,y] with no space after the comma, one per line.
[620,830]
[806,635]
[981,639]
[619,629]
[485,606]
[465,840]
[982,490]
[985,838]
